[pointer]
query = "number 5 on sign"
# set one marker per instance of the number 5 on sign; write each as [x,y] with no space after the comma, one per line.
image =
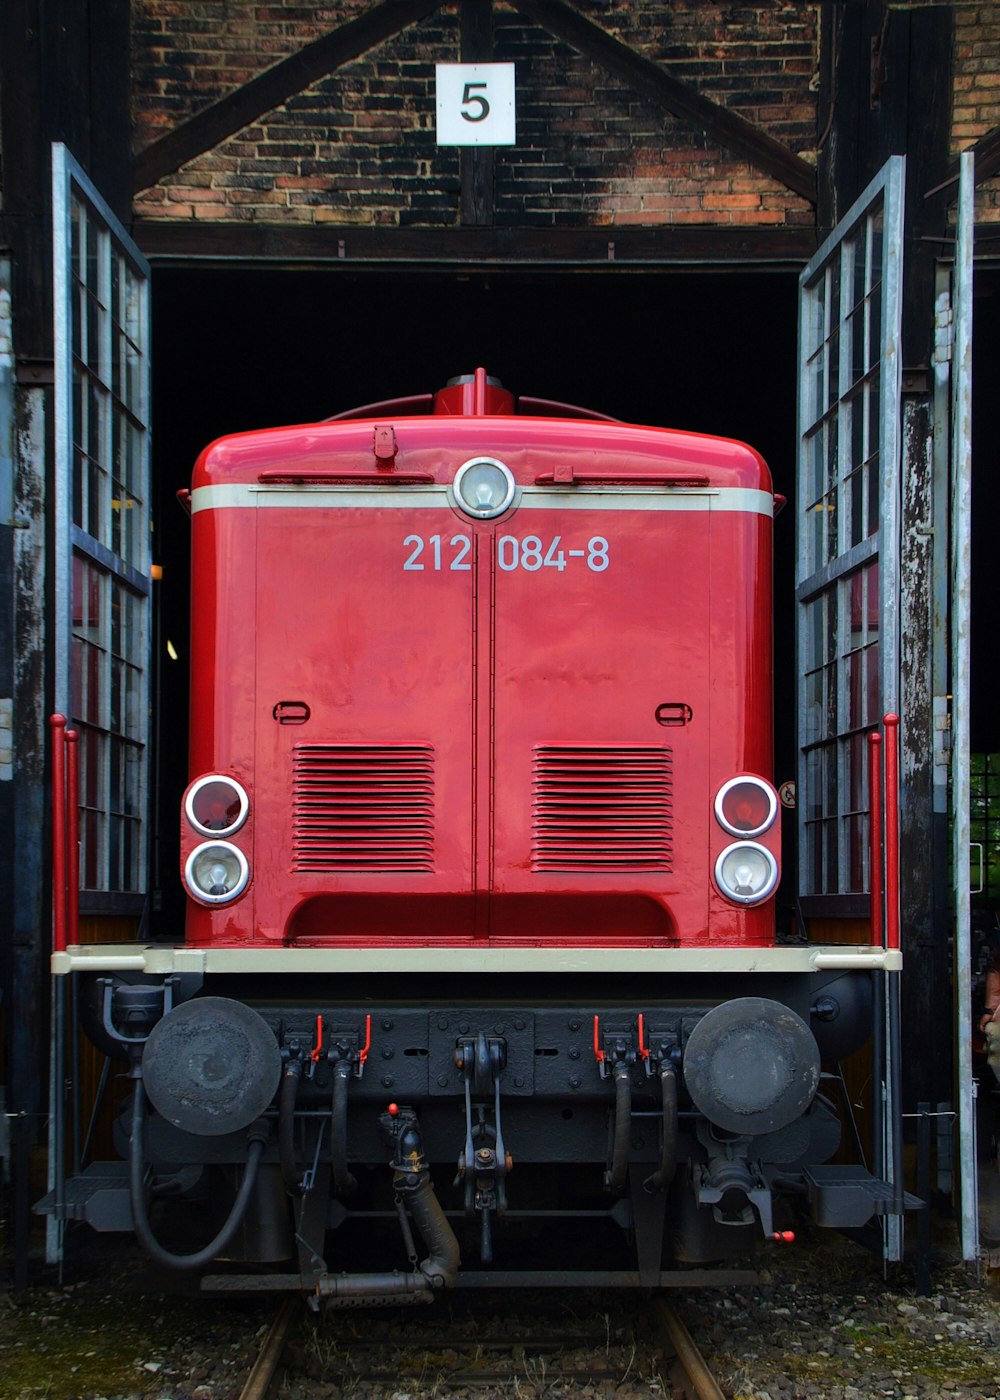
[475,104]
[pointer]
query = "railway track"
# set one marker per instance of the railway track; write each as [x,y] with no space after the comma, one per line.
[689,1368]
[553,1351]
[268,1365]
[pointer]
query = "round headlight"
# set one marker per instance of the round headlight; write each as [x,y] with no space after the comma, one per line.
[745,806]
[484,487]
[746,872]
[216,806]
[216,872]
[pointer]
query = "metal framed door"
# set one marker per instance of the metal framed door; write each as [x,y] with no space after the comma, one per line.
[961,622]
[847,528]
[102,590]
[847,578]
[102,582]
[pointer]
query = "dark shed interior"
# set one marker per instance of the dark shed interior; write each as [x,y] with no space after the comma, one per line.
[234,350]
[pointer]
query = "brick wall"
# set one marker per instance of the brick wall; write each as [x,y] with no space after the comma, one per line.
[359,146]
[976,103]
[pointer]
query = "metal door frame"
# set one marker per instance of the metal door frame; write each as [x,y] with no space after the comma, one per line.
[961,626]
[80,310]
[834,482]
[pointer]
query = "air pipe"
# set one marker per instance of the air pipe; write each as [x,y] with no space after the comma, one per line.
[287,1095]
[668,1152]
[257,1139]
[614,1180]
[412,1184]
[343,1181]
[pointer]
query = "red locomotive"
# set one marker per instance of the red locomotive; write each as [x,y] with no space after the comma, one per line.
[481,850]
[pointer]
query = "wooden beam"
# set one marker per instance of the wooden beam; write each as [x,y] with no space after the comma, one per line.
[730,130]
[477,163]
[987,155]
[352,246]
[204,131]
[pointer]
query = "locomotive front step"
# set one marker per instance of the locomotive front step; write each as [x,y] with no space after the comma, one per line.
[98,1196]
[845,1197]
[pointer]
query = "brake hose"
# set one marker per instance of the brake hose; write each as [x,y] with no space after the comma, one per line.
[287,1096]
[343,1178]
[615,1178]
[668,1155]
[137,1193]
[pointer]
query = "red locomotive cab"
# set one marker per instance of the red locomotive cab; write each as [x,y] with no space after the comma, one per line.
[481,676]
[481,795]
[481,851]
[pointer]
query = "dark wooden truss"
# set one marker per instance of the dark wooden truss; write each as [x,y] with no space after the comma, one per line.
[213,124]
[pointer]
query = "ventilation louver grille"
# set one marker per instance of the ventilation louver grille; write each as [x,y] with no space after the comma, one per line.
[364,807]
[602,809]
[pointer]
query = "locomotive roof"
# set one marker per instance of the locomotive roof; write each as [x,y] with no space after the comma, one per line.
[387,445]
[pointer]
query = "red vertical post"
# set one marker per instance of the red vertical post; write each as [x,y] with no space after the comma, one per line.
[875,834]
[58,725]
[891,723]
[73,835]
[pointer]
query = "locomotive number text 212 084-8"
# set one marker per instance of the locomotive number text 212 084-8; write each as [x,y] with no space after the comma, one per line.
[531,553]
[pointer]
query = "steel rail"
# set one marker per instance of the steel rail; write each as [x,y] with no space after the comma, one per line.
[692,1374]
[703,1384]
[264,1369]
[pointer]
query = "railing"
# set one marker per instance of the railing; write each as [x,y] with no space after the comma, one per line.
[884,823]
[65,834]
[65,928]
[885,932]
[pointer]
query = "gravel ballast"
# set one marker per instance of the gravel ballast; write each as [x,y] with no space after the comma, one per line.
[821,1324]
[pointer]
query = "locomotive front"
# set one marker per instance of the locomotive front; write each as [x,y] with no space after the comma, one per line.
[481,850]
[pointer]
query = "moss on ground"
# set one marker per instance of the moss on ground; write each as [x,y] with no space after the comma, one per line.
[112,1341]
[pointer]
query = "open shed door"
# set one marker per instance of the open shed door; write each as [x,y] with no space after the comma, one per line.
[847,567]
[961,692]
[102,541]
[100,644]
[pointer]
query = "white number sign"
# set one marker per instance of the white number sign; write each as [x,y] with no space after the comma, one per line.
[475,104]
[530,554]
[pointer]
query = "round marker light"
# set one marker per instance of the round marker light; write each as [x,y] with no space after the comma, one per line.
[484,487]
[745,806]
[746,872]
[216,806]
[216,872]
